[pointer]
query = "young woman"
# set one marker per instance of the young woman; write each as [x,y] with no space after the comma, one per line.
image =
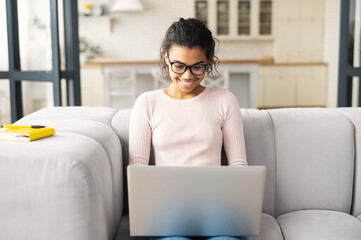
[186,123]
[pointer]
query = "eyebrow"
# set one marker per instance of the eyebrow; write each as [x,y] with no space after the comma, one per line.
[176,61]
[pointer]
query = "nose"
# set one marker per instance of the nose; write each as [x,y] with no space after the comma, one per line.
[187,74]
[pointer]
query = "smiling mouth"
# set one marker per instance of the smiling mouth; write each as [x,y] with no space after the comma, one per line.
[186,83]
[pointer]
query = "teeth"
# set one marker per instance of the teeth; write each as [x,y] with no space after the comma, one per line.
[186,83]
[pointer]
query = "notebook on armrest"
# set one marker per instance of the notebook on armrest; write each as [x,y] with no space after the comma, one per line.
[195,201]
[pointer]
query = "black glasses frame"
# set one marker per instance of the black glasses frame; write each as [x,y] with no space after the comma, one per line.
[186,67]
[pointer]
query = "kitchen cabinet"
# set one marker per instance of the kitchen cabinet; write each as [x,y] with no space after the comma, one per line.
[117,84]
[292,86]
[237,19]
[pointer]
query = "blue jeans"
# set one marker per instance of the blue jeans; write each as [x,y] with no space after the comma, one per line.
[196,238]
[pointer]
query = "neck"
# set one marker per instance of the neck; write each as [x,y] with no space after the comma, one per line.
[173,92]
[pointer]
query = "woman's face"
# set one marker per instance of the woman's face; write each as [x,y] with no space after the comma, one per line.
[186,84]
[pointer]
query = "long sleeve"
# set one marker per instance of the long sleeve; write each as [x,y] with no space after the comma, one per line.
[140,133]
[233,136]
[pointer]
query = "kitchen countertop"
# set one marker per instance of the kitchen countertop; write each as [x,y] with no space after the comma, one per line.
[99,62]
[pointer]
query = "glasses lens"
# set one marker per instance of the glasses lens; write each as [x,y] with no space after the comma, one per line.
[178,68]
[198,69]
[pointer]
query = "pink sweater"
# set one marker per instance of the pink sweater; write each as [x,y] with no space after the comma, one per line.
[187,132]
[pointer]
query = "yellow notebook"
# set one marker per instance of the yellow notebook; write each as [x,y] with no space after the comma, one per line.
[25,134]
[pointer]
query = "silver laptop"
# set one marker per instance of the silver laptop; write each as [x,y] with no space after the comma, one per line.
[195,201]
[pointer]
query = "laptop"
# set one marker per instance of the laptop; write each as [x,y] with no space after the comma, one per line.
[195,201]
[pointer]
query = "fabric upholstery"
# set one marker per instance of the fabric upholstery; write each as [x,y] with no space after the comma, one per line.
[94,122]
[120,124]
[270,229]
[354,115]
[319,224]
[80,124]
[55,188]
[260,149]
[123,231]
[315,160]
[69,186]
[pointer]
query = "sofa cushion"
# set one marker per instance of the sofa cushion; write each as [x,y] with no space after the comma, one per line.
[354,115]
[270,229]
[120,124]
[314,160]
[98,114]
[260,149]
[319,225]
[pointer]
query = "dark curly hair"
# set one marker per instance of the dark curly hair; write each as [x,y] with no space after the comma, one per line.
[189,33]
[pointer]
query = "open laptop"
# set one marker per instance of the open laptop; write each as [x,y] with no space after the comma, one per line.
[195,201]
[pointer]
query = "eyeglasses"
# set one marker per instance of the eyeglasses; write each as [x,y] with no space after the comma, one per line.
[180,68]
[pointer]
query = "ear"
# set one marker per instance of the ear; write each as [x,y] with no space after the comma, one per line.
[166,58]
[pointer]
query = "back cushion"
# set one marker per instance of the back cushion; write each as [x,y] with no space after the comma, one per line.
[354,115]
[260,148]
[120,124]
[314,160]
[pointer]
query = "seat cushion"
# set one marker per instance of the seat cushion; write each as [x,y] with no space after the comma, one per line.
[270,229]
[319,225]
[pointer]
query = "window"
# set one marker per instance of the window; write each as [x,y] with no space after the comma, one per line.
[237,19]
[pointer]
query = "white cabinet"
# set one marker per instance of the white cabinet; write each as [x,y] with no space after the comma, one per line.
[237,19]
[124,82]
[292,86]
[300,31]
[92,89]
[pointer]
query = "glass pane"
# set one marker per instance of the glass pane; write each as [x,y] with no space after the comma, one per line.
[222,17]
[351,46]
[61,34]
[354,57]
[201,10]
[36,95]
[265,17]
[35,35]
[4,60]
[5,112]
[244,17]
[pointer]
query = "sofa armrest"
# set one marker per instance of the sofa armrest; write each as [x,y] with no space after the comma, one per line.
[68,185]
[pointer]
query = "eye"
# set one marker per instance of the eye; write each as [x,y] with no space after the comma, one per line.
[197,67]
[178,66]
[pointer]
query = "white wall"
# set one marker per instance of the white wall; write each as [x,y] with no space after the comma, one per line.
[135,35]
[138,35]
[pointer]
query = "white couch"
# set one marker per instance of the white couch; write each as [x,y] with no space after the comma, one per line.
[72,185]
